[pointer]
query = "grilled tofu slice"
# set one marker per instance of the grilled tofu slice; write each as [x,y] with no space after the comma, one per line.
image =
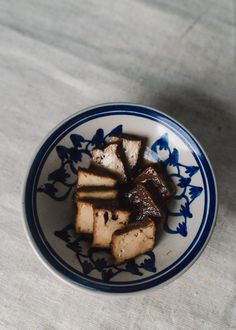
[94,178]
[84,217]
[133,240]
[113,159]
[106,221]
[96,193]
[131,146]
[158,177]
[145,203]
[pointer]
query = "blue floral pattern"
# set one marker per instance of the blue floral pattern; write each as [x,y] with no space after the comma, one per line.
[70,159]
[188,192]
[92,259]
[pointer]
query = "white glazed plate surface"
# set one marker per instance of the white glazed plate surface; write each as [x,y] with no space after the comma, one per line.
[49,211]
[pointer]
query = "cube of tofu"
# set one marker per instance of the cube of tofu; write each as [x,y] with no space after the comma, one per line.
[113,159]
[144,201]
[105,223]
[84,217]
[133,240]
[131,148]
[91,178]
[96,193]
[158,177]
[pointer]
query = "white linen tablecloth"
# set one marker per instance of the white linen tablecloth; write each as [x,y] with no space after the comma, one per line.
[57,57]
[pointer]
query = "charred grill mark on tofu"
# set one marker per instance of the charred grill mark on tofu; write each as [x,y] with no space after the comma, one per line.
[106,217]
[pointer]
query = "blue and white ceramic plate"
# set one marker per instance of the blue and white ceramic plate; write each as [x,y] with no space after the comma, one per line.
[49,212]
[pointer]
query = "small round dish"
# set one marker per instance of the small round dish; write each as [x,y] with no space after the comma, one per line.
[49,212]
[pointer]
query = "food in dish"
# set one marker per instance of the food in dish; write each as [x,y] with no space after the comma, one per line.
[120,201]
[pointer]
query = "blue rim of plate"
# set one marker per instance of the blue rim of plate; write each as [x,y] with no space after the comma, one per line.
[54,261]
